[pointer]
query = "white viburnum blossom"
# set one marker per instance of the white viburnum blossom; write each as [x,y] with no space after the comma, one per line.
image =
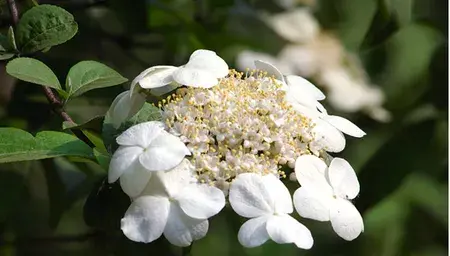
[329,131]
[267,202]
[239,136]
[143,149]
[204,69]
[173,204]
[325,193]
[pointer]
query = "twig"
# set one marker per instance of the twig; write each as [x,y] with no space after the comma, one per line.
[56,104]
[13,10]
[53,99]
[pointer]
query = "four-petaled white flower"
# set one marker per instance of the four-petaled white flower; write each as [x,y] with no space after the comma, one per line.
[203,69]
[173,204]
[268,203]
[143,149]
[325,193]
[329,131]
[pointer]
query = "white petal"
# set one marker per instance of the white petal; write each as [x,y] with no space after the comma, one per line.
[270,69]
[294,95]
[328,137]
[195,77]
[305,86]
[308,111]
[181,230]
[253,232]
[164,152]
[346,220]
[208,61]
[134,180]
[165,89]
[321,108]
[121,161]
[170,183]
[154,77]
[310,173]
[281,198]
[249,196]
[141,134]
[124,106]
[145,219]
[312,204]
[343,179]
[284,229]
[201,201]
[345,126]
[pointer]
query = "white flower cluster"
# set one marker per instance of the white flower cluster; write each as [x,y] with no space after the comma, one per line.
[230,135]
[314,53]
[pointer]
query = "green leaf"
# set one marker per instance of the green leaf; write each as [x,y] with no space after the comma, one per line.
[44,26]
[105,206]
[103,158]
[89,75]
[94,124]
[12,188]
[408,63]
[18,145]
[7,50]
[12,39]
[147,113]
[33,71]
[6,56]
[109,134]
[385,227]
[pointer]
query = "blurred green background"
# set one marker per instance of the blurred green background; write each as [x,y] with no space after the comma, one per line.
[402,164]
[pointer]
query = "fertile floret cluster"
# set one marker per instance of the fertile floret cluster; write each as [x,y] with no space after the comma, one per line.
[244,124]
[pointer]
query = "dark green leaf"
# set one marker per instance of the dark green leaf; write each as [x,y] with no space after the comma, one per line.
[94,124]
[6,49]
[44,26]
[103,158]
[407,64]
[12,187]
[18,145]
[33,71]
[105,205]
[88,75]
[109,134]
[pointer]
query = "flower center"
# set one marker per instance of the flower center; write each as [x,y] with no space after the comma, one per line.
[243,124]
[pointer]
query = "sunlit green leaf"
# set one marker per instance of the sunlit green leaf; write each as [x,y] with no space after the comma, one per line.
[18,145]
[89,75]
[33,71]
